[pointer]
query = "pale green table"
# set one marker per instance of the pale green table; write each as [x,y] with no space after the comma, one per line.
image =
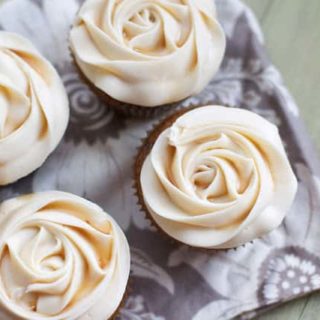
[292,32]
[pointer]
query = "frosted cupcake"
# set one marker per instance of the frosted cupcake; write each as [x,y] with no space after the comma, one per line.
[62,258]
[34,109]
[215,177]
[142,54]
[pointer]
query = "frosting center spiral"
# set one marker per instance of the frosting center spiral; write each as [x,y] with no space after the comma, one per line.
[151,28]
[218,170]
[52,261]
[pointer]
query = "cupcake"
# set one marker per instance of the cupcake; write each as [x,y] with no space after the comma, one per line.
[34,109]
[62,257]
[215,177]
[139,55]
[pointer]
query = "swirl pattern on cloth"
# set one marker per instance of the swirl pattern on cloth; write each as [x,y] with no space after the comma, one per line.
[218,177]
[34,108]
[148,53]
[62,257]
[87,111]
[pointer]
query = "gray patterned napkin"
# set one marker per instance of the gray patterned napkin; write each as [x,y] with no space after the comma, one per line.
[95,161]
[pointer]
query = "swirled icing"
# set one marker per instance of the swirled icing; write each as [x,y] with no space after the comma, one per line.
[61,257]
[218,177]
[34,109]
[148,52]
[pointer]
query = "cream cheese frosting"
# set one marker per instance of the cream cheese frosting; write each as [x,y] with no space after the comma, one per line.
[62,258]
[34,109]
[148,52]
[218,178]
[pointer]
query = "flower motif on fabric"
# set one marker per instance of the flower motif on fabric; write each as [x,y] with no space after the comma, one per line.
[287,273]
[225,88]
[90,118]
[135,309]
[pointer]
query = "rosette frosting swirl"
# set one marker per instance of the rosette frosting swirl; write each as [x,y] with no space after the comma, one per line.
[34,108]
[148,52]
[62,258]
[218,177]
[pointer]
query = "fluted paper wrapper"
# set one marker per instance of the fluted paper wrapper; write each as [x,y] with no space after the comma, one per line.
[95,160]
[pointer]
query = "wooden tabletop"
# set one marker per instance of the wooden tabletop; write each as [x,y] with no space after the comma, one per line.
[292,33]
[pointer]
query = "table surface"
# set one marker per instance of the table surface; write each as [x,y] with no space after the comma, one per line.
[292,33]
